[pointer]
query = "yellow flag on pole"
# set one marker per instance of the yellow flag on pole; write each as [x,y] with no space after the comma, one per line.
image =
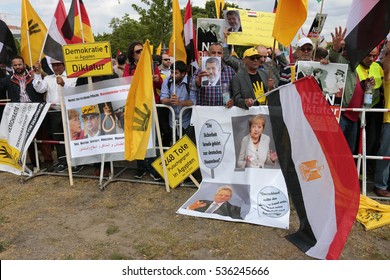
[138,110]
[32,34]
[290,16]
[219,4]
[158,50]
[177,34]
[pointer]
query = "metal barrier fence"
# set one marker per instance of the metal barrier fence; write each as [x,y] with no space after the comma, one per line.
[176,127]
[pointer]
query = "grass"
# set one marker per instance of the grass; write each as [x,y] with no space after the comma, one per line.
[112,229]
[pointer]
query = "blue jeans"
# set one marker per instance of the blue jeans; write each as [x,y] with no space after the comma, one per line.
[350,130]
[382,169]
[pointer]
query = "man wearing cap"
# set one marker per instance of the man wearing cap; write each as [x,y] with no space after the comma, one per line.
[304,52]
[54,84]
[91,117]
[250,84]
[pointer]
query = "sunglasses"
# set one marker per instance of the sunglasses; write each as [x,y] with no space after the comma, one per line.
[306,49]
[166,59]
[254,57]
[138,51]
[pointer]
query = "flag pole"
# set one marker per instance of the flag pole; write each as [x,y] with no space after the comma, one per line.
[318,33]
[81,21]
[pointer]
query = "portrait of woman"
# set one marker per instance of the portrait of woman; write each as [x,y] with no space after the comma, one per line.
[255,149]
[75,131]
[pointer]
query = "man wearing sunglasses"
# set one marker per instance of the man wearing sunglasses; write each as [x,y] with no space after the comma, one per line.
[304,52]
[250,84]
[165,66]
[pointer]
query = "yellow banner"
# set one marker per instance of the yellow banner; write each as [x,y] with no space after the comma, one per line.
[86,60]
[9,155]
[372,214]
[181,161]
[256,29]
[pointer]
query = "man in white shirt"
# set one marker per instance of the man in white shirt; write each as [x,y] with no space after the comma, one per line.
[53,84]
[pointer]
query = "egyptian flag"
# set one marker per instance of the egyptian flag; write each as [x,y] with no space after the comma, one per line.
[55,39]
[190,37]
[78,28]
[318,168]
[7,44]
[368,24]
[275,6]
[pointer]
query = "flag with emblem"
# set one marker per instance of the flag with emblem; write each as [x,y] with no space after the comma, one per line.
[78,27]
[190,37]
[318,168]
[176,44]
[138,110]
[32,34]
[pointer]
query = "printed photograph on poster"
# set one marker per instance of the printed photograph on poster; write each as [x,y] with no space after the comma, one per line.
[220,199]
[233,20]
[317,25]
[209,31]
[256,28]
[253,142]
[76,130]
[213,67]
[330,78]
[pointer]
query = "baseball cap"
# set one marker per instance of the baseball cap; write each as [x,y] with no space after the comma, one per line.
[304,41]
[90,109]
[54,61]
[250,52]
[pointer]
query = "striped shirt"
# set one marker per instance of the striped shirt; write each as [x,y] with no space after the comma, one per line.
[212,96]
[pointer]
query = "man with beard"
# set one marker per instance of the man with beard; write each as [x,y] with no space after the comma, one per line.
[23,86]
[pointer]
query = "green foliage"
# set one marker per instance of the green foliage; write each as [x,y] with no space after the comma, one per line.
[155,24]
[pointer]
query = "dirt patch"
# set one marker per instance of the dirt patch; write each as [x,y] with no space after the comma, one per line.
[45,218]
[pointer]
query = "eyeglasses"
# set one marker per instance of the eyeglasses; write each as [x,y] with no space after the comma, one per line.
[138,51]
[254,57]
[89,117]
[166,59]
[309,49]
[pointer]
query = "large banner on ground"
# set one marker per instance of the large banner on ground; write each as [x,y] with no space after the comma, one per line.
[18,127]
[95,121]
[242,180]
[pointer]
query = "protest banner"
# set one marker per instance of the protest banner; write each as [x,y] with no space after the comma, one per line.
[95,121]
[330,78]
[87,60]
[19,124]
[181,161]
[221,137]
[256,29]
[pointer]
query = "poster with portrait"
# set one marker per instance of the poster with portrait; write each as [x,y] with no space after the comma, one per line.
[242,180]
[256,28]
[95,121]
[317,26]
[213,66]
[330,78]
[209,31]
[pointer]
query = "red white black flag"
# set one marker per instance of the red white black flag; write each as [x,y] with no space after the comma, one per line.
[190,37]
[368,24]
[55,39]
[318,168]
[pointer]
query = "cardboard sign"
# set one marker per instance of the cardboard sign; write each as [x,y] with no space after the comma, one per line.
[181,161]
[87,60]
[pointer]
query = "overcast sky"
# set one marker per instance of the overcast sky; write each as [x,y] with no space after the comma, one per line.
[102,11]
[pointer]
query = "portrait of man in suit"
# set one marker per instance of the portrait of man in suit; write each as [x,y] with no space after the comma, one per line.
[213,68]
[233,21]
[220,205]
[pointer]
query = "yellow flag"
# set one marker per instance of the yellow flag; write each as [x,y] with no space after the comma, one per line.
[372,214]
[138,110]
[32,34]
[219,4]
[290,16]
[158,50]
[177,36]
